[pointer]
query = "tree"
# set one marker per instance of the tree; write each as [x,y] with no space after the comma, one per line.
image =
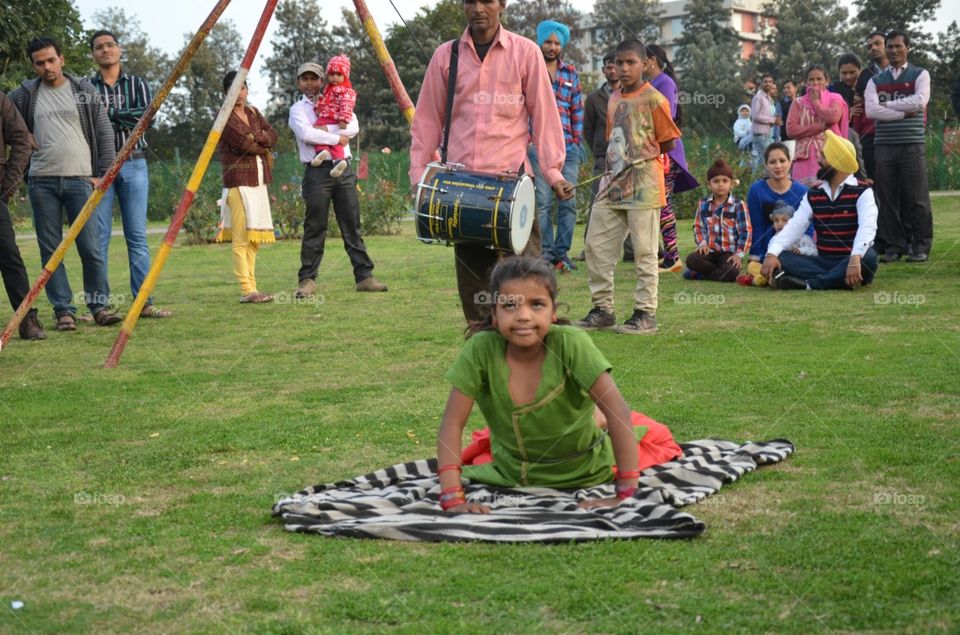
[705,16]
[709,86]
[523,17]
[904,15]
[139,57]
[23,20]
[943,73]
[813,31]
[301,35]
[191,108]
[619,20]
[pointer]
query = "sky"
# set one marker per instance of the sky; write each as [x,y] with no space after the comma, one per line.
[166,22]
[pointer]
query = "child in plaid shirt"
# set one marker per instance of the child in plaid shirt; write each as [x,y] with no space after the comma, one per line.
[335,106]
[721,229]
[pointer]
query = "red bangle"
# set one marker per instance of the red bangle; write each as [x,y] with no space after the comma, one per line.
[454,502]
[624,492]
[447,468]
[631,474]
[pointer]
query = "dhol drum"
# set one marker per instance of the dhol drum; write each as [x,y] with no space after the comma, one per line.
[456,206]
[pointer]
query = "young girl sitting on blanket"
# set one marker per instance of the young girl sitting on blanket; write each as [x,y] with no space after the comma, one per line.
[539,382]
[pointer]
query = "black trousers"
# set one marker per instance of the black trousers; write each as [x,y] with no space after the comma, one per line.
[714,266]
[869,160]
[473,265]
[15,278]
[319,190]
[905,220]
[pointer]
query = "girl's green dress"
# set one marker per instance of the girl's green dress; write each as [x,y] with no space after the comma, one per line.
[552,441]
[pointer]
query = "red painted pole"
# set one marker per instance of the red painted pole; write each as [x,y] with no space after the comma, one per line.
[130,323]
[386,62]
[108,178]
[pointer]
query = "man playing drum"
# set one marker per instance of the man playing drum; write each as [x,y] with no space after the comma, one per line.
[502,87]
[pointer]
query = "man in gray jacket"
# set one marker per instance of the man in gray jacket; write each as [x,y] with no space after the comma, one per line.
[74,141]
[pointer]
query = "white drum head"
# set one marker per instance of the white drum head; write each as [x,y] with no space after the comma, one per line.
[428,174]
[523,214]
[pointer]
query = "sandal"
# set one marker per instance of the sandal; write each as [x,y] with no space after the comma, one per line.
[256,298]
[153,311]
[104,317]
[66,322]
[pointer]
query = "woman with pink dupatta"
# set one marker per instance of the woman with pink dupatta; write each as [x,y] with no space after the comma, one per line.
[818,110]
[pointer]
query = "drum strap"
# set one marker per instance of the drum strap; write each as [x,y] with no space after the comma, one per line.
[451,89]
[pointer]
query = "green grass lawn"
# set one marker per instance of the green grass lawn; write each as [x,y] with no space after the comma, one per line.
[138,499]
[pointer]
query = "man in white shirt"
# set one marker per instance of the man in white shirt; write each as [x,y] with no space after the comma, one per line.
[844,214]
[320,189]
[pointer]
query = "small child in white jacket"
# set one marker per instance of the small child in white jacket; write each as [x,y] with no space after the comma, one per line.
[805,246]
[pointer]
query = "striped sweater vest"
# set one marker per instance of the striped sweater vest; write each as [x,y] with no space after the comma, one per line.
[908,129]
[836,221]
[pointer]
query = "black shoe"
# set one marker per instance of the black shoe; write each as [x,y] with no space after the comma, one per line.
[918,257]
[30,328]
[783,280]
[890,256]
[640,323]
[597,318]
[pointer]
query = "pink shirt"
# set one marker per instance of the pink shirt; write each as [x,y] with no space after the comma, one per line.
[494,103]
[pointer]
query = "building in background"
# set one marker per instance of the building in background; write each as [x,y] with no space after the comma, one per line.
[746,18]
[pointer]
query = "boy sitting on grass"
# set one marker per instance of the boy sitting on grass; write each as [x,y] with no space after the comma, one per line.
[721,229]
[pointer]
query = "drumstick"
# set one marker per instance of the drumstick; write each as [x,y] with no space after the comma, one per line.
[591,180]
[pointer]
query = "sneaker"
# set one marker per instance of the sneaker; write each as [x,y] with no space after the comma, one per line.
[918,257]
[890,256]
[30,328]
[339,169]
[670,265]
[640,323]
[598,318]
[320,158]
[306,288]
[371,284]
[568,263]
[745,280]
[689,274]
[782,280]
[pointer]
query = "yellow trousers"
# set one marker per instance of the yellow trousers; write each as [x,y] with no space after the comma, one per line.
[244,251]
[753,268]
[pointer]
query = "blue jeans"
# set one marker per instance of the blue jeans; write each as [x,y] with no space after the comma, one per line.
[131,187]
[760,143]
[49,196]
[827,272]
[555,246]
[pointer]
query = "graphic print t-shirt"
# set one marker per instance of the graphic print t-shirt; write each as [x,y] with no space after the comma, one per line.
[637,124]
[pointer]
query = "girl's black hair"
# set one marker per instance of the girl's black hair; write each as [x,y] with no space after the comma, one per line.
[657,51]
[816,67]
[776,145]
[515,268]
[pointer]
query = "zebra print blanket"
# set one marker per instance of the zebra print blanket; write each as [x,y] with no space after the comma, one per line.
[400,502]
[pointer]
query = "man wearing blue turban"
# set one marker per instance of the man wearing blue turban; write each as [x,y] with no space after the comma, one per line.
[552,37]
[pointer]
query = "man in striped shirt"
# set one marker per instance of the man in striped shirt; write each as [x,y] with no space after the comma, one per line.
[126,98]
[552,37]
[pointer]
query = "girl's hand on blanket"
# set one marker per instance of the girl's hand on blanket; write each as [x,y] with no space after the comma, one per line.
[599,502]
[469,508]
